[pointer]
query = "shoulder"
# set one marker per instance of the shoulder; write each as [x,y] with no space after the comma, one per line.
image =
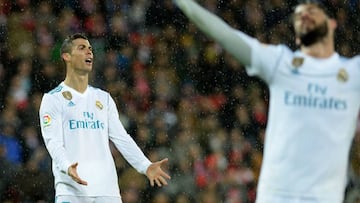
[98,91]
[277,53]
[279,50]
[56,90]
[53,94]
[356,59]
[101,96]
[351,61]
[350,66]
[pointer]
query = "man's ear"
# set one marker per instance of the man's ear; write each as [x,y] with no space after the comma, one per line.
[65,56]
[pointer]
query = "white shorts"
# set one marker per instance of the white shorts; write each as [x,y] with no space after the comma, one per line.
[81,199]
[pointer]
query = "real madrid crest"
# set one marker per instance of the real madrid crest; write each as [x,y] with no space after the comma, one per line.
[342,75]
[297,61]
[99,105]
[67,95]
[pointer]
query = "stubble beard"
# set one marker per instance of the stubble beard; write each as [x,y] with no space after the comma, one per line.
[313,36]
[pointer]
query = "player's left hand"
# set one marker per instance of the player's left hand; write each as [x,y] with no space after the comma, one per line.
[156,175]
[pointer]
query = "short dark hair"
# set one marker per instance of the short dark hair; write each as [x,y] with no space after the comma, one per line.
[324,5]
[67,44]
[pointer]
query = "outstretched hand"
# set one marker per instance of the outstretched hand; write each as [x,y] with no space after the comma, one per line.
[156,175]
[74,175]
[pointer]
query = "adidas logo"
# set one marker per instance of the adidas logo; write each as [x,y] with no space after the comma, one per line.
[295,71]
[71,103]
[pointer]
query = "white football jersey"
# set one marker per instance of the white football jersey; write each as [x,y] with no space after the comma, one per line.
[77,127]
[314,105]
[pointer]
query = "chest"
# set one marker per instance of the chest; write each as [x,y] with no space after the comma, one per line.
[318,78]
[305,84]
[84,113]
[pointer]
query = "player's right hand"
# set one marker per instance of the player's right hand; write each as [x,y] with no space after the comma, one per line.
[72,172]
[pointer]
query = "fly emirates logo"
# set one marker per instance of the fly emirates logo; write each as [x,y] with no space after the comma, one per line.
[88,122]
[316,97]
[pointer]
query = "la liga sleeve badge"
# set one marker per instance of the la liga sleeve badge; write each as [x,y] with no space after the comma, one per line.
[46,120]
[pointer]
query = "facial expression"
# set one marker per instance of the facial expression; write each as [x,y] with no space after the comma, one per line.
[81,57]
[310,23]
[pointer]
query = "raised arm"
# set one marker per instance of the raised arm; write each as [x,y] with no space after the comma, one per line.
[230,39]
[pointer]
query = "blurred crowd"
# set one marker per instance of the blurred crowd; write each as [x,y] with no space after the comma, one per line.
[180,95]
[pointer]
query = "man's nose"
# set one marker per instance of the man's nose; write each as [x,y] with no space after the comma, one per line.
[304,15]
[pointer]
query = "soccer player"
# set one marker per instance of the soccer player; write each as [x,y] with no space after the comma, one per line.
[77,122]
[314,103]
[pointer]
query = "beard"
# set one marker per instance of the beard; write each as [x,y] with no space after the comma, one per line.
[314,35]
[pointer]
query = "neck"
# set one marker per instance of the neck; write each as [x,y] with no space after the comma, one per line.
[322,49]
[77,82]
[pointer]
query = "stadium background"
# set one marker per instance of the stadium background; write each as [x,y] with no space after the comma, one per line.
[179,94]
